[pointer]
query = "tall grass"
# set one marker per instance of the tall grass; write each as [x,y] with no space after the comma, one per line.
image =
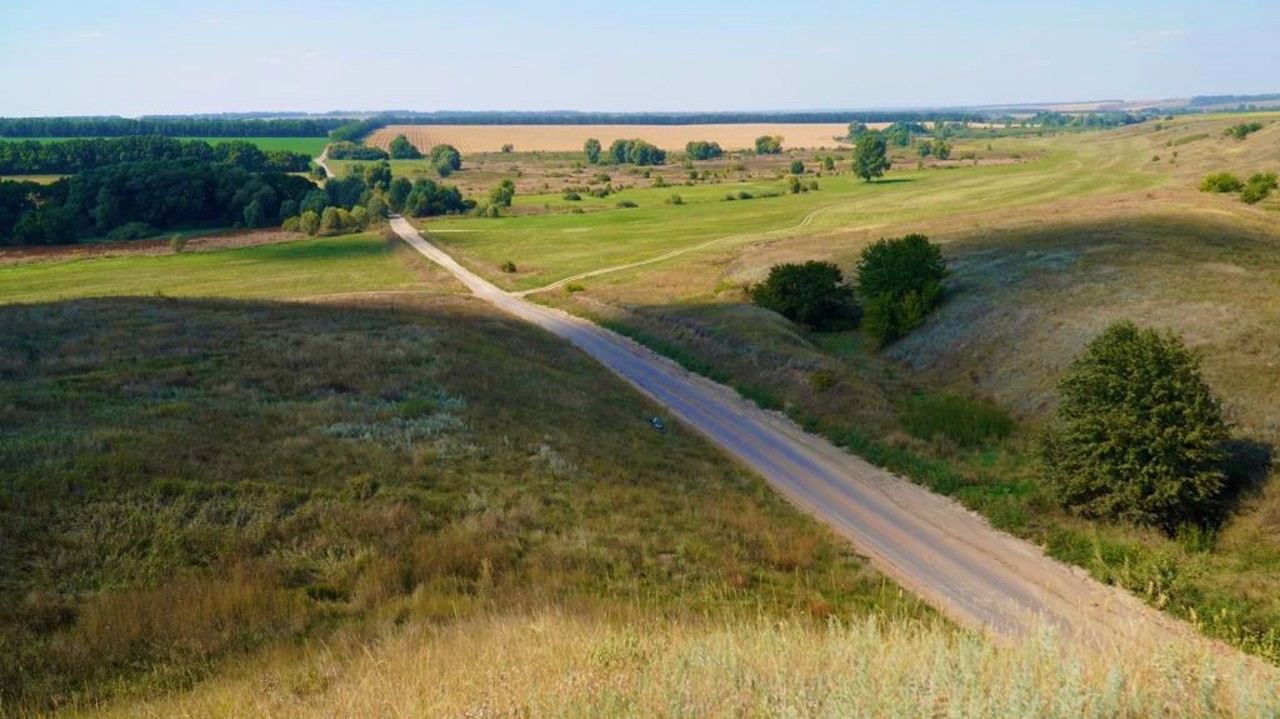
[186,482]
[553,664]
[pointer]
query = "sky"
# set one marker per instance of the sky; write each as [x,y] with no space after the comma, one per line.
[129,57]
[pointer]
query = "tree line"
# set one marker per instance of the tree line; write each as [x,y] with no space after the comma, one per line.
[139,199]
[32,157]
[169,127]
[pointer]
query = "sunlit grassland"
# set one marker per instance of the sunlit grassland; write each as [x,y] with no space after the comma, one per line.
[552,663]
[549,247]
[187,481]
[354,263]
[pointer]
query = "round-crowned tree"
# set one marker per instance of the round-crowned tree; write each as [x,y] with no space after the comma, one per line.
[1140,435]
[812,294]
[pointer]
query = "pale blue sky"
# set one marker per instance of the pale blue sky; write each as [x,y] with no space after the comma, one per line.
[131,57]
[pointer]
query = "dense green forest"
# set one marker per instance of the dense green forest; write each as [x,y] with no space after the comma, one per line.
[170,127]
[138,199]
[31,157]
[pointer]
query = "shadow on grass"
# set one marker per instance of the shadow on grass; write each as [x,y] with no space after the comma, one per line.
[1248,465]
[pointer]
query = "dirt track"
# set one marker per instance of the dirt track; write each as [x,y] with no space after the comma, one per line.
[949,556]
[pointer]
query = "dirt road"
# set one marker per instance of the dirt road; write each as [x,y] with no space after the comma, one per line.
[949,556]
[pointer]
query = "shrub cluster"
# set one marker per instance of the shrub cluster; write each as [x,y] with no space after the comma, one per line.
[1254,190]
[636,152]
[1243,130]
[703,150]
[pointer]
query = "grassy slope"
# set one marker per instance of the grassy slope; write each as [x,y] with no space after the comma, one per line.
[188,480]
[1113,232]
[550,247]
[290,269]
[561,664]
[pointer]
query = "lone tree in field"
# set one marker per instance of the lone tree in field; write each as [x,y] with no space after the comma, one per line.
[591,148]
[813,294]
[402,149]
[769,144]
[446,159]
[503,194]
[870,156]
[1140,434]
[899,282]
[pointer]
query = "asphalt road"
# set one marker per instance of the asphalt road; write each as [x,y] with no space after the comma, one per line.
[950,557]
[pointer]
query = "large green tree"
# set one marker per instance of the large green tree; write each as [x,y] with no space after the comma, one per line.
[812,294]
[402,149]
[1140,435]
[870,156]
[591,148]
[899,281]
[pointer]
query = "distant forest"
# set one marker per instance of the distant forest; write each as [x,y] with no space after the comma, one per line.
[11,127]
[356,128]
[31,157]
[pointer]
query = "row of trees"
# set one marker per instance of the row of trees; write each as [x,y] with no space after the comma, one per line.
[621,152]
[169,127]
[32,157]
[138,199]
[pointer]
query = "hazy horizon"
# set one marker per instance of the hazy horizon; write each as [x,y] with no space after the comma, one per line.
[130,58]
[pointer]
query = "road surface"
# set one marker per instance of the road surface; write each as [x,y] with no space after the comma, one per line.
[953,559]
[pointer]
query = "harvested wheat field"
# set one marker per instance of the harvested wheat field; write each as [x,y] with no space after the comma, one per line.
[569,138]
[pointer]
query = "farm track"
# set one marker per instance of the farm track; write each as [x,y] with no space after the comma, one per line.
[978,576]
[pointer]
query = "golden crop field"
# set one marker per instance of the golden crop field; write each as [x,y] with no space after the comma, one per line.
[569,138]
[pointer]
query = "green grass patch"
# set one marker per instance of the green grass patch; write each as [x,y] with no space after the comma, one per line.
[1190,139]
[967,422]
[364,262]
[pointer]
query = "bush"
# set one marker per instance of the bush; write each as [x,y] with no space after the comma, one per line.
[702,150]
[508,266]
[1258,188]
[1140,435]
[900,282]
[572,197]
[1243,130]
[812,294]
[675,199]
[797,167]
[625,204]
[1221,182]
[769,145]
[402,149]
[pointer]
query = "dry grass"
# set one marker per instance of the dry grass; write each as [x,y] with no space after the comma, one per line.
[549,664]
[569,138]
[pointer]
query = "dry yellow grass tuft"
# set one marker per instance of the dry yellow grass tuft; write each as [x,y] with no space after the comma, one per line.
[553,664]
[569,138]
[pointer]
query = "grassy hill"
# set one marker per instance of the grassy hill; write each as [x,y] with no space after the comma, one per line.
[1105,226]
[192,480]
[304,477]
